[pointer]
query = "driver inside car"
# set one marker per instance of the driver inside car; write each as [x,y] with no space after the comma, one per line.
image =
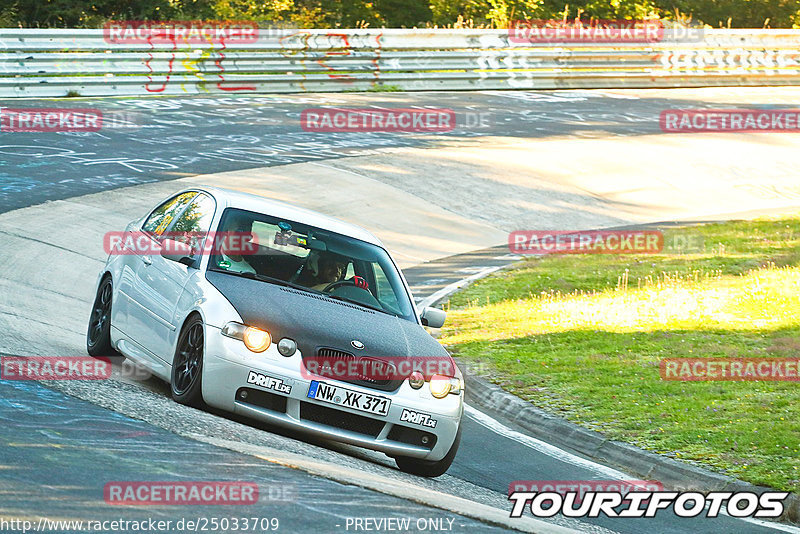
[322,269]
[330,269]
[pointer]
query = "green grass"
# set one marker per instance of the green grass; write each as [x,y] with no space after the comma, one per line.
[582,336]
[384,88]
[376,88]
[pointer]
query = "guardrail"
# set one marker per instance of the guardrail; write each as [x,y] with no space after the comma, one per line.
[54,63]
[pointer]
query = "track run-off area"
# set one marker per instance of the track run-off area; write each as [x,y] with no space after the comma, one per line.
[555,160]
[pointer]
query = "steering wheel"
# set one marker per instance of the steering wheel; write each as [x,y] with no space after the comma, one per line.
[357,281]
[338,283]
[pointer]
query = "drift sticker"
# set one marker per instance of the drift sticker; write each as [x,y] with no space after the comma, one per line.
[418,418]
[268,382]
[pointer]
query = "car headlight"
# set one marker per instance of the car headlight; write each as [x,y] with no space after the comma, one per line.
[255,339]
[442,385]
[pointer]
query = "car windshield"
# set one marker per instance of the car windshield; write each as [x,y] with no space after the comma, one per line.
[313,259]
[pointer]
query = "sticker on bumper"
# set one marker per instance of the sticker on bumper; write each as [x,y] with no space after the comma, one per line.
[268,382]
[418,418]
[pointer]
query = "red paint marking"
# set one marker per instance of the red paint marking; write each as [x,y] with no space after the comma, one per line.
[218,63]
[376,73]
[346,52]
[169,74]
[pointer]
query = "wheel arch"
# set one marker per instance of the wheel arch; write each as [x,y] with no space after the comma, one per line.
[192,395]
[196,312]
[189,316]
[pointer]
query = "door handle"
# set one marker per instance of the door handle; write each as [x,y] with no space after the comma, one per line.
[146,260]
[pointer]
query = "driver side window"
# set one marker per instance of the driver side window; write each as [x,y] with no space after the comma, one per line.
[193,224]
[162,216]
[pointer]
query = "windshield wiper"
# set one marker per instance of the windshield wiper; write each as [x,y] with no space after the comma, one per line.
[265,278]
[359,303]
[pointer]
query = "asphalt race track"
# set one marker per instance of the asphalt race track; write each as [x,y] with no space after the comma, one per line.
[443,204]
[84,439]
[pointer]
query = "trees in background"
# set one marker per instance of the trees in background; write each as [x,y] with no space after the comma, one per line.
[396,13]
[738,13]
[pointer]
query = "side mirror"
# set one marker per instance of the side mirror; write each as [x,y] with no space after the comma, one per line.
[177,251]
[433,317]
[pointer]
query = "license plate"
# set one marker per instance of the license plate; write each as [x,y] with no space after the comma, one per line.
[347,397]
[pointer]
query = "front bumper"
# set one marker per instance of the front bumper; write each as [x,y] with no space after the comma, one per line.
[227,364]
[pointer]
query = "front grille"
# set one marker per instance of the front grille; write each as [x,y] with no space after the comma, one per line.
[334,353]
[412,436]
[261,399]
[343,420]
[361,380]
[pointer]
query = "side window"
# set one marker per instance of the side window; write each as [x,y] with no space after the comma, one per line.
[162,216]
[193,224]
[386,294]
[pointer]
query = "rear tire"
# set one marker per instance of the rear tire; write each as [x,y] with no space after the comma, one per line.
[98,335]
[427,468]
[186,381]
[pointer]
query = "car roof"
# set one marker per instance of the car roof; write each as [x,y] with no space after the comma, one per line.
[256,203]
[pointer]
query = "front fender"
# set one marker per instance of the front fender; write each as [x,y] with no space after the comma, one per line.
[199,296]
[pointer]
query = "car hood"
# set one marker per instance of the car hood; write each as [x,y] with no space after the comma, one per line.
[314,321]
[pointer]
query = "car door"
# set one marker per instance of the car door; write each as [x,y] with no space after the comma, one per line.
[127,312]
[160,282]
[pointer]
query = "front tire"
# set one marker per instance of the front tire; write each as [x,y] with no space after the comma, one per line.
[186,381]
[98,335]
[427,468]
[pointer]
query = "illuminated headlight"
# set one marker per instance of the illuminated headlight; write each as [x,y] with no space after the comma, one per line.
[442,385]
[416,380]
[255,339]
[287,347]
